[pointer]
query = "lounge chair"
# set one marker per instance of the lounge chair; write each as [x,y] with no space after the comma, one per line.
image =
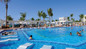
[8,40]
[9,36]
[25,46]
[46,47]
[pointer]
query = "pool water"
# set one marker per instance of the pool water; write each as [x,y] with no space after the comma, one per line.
[58,37]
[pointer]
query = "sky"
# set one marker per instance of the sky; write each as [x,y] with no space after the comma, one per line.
[61,8]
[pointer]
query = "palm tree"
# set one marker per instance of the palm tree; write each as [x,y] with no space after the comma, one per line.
[81,16]
[44,16]
[9,18]
[23,16]
[6,2]
[32,19]
[68,18]
[37,19]
[71,16]
[39,14]
[50,13]
[56,20]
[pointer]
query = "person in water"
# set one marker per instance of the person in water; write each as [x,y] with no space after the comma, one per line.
[70,33]
[80,31]
[30,37]
[79,34]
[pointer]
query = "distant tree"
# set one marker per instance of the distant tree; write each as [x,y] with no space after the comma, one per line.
[32,19]
[50,13]
[81,16]
[52,20]
[85,17]
[23,16]
[76,21]
[56,20]
[68,18]
[44,16]
[37,19]
[40,14]
[73,19]
[71,16]
[6,4]
[9,18]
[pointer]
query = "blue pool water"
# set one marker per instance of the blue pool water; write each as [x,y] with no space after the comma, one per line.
[59,38]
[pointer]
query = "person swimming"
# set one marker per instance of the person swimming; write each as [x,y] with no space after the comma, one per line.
[80,31]
[70,33]
[30,37]
[79,34]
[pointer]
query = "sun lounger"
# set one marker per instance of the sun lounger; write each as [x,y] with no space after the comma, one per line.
[8,40]
[25,46]
[1,30]
[9,36]
[46,47]
[70,48]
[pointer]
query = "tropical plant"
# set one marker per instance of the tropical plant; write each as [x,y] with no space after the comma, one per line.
[77,21]
[40,14]
[32,19]
[56,20]
[73,19]
[23,16]
[81,16]
[9,18]
[37,19]
[44,16]
[52,20]
[68,18]
[50,14]
[6,3]
[85,17]
[71,16]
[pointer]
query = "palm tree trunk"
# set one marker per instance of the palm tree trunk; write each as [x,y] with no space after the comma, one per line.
[6,13]
[49,21]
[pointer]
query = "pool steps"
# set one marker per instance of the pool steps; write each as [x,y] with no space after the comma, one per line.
[8,40]
[25,46]
[46,47]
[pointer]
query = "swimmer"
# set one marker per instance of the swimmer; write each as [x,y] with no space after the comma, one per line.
[30,37]
[70,33]
[79,34]
[80,31]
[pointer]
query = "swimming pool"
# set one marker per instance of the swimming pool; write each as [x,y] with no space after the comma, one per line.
[58,37]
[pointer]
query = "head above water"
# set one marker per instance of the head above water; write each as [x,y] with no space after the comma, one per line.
[30,35]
